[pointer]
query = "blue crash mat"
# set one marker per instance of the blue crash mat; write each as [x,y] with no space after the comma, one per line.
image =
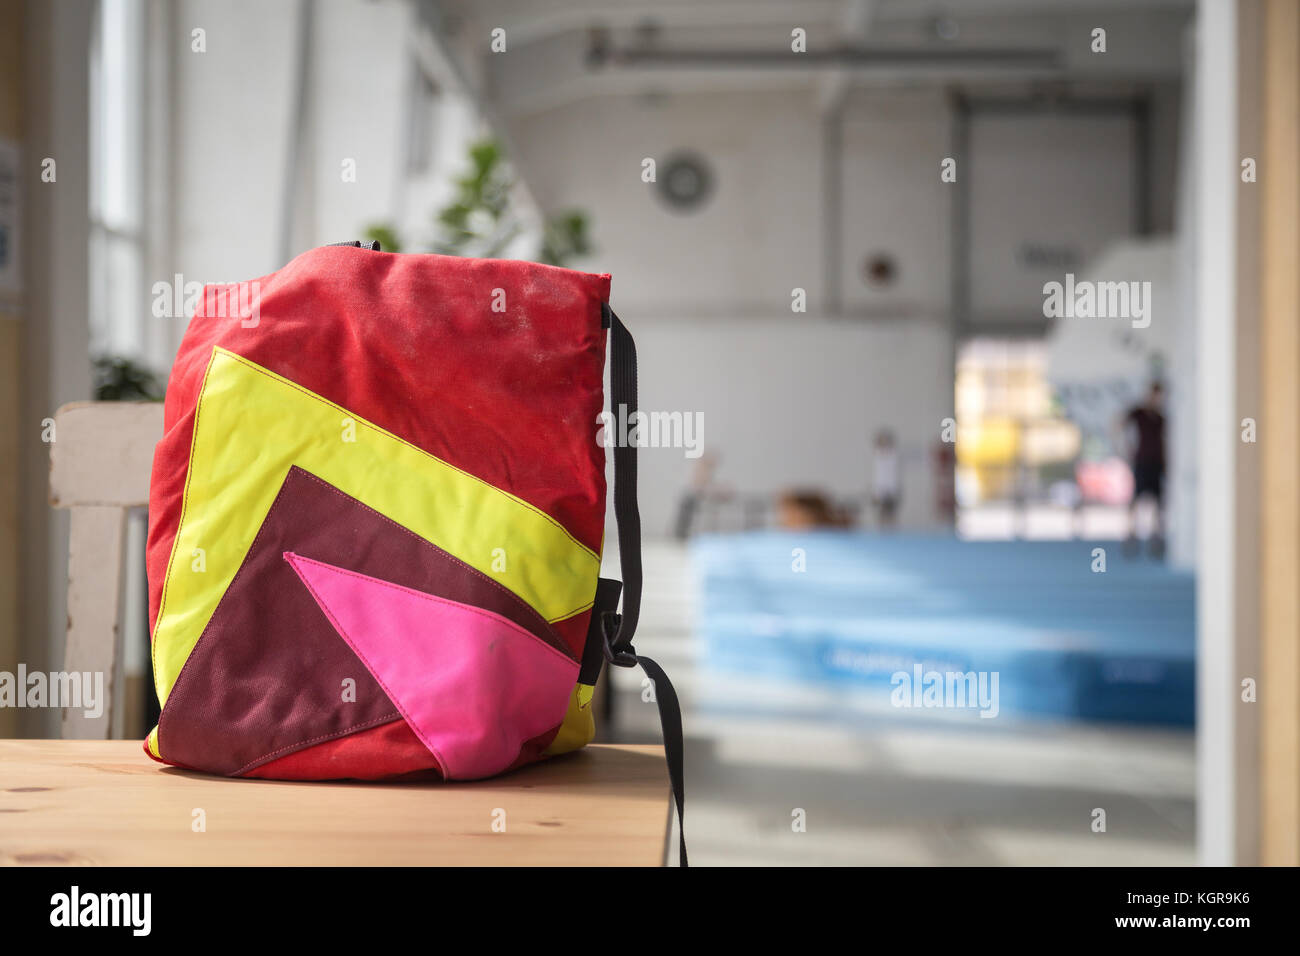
[1064,640]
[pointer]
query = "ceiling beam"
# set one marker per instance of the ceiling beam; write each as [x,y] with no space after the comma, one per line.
[856,24]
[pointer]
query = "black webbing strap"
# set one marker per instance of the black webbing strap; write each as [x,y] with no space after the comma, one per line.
[619,629]
[670,725]
[593,651]
[622,389]
[371,244]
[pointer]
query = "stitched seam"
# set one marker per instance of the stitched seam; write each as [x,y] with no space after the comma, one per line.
[545,625]
[486,484]
[568,614]
[485,614]
[265,758]
[176,540]
[185,668]
[379,680]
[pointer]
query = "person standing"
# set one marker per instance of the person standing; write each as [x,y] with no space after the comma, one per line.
[886,479]
[1145,422]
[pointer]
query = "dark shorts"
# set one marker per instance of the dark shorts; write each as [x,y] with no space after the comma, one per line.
[1149,479]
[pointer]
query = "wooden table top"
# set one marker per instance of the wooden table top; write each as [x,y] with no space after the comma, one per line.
[103,802]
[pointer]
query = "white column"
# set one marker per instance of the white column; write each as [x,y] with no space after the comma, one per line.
[1215,91]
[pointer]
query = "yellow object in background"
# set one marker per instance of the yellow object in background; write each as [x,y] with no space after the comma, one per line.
[990,442]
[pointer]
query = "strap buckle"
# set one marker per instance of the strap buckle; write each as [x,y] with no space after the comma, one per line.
[620,657]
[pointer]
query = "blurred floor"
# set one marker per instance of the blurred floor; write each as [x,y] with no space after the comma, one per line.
[896,792]
[1002,521]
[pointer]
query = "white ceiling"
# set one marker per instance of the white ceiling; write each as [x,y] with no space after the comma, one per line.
[550,41]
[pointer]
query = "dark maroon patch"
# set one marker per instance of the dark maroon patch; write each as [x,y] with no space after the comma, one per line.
[266,676]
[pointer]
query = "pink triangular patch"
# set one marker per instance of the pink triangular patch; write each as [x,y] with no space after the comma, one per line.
[473,685]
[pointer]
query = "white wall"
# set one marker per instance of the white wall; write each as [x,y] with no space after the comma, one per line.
[232,137]
[758,237]
[894,202]
[1056,180]
[791,403]
[365,67]
[230,116]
